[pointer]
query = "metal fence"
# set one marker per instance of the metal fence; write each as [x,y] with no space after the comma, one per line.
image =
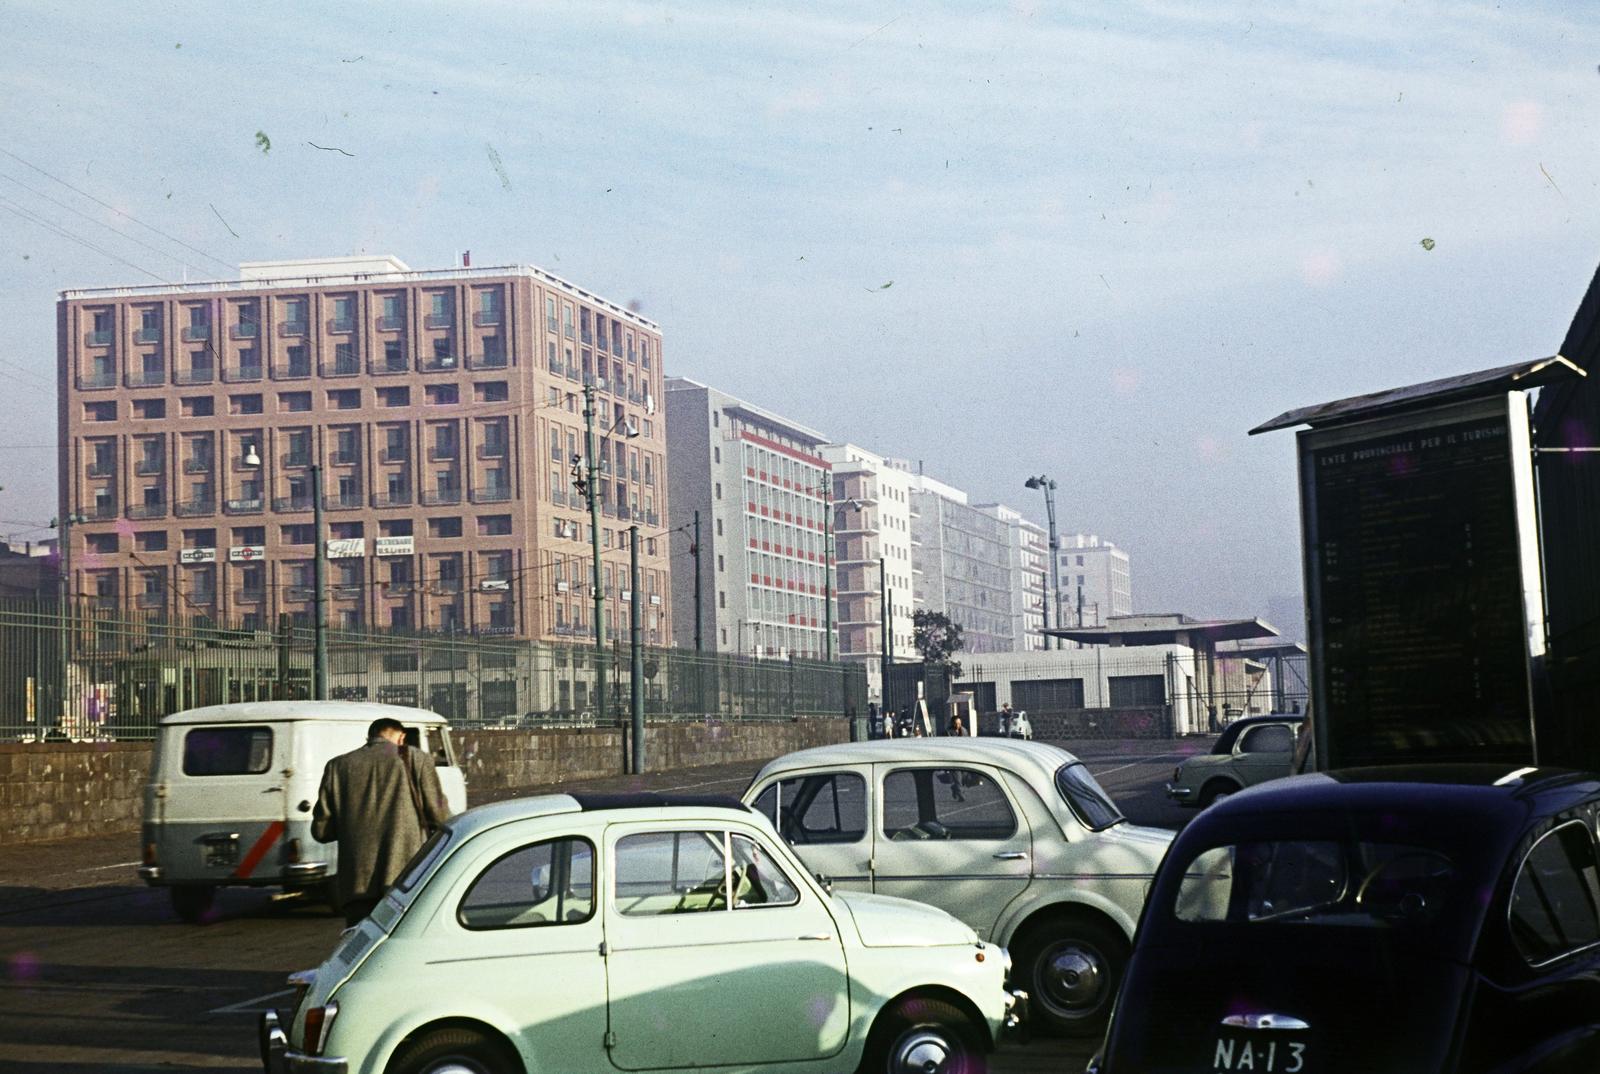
[87,673]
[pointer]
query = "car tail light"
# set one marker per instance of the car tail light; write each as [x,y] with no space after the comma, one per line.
[319,1023]
[291,851]
[150,853]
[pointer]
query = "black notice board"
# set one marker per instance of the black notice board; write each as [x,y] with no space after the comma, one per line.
[1415,595]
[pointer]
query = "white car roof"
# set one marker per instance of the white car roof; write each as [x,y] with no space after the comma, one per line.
[1037,758]
[362,712]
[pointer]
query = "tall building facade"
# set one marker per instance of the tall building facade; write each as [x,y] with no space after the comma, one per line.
[963,556]
[443,409]
[761,487]
[1029,563]
[873,546]
[1096,580]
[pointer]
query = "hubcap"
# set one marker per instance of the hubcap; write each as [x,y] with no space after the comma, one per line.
[921,1051]
[454,1066]
[1073,977]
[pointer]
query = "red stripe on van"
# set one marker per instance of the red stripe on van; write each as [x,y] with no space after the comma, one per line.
[259,851]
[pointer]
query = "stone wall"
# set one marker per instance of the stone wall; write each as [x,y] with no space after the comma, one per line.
[61,790]
[1072,724]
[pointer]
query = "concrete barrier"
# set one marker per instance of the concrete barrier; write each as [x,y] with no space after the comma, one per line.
[61,790]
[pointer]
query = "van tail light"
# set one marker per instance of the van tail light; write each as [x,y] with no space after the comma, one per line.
[319,1022]
[291,851]
[150,853]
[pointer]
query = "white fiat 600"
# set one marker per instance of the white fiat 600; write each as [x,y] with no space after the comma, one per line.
[1015,838]
[574,934]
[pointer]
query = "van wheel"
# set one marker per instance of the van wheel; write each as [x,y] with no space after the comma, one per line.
[455,1051]
[1071,970]
[192,902]
[922,1035]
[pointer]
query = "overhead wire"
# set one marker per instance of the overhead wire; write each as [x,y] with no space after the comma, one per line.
[93,220]
[34,218]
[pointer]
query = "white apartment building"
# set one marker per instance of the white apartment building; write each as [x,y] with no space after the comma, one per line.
[1096,581]
[963,560]
[760,486]
[1030,567]
[873,551]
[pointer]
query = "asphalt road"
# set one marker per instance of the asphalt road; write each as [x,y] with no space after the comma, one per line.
[100,978]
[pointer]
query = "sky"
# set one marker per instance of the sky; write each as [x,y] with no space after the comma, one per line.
[1098,242]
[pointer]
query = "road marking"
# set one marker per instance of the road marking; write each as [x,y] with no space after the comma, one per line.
[1131,764]
[244,1006]
[103,868]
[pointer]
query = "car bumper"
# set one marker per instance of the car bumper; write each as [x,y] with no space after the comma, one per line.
[1015,1025]
[278,1058]
[1181,795]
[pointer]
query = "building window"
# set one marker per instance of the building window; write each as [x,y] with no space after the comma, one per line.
[444,527]
[494,391]
[294,402]
[393,397]
[441,395]
[152,409]
[196,406]
[494,525]
[244,404]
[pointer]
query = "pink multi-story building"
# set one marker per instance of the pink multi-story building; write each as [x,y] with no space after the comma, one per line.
[444,409]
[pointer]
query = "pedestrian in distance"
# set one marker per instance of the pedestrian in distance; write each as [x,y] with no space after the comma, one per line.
[1007,719]
[957,728]
[380,802]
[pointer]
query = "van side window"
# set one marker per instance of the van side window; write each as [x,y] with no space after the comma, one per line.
[227,751]
[828,807]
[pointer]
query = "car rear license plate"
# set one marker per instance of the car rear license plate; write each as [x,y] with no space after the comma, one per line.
[1259,1053]
[222,853]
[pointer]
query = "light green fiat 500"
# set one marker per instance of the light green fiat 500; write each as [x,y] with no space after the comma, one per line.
[570,934]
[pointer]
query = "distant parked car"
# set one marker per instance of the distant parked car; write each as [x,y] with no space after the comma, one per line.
[1014,838]
[1250,750]
[590,934]
[1022,727]
[1424,920]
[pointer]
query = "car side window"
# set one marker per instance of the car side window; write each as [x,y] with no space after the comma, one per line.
[826,807]
[945,803]
[757,878]
[1555,903]
[1269,738]
[671,873]
[548,883]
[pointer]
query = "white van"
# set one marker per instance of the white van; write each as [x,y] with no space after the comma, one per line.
[232,789]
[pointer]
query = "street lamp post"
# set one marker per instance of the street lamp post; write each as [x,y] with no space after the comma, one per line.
[590,488]
[1049,487]
[636,678]
[319,596]
[64,609]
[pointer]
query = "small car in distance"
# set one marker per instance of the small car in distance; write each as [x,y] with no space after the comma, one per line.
[1014,838]
[1250,750]
[586,934]
[1422,920]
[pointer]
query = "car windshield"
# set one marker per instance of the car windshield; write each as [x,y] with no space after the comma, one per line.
[1089,802]
[1315,882]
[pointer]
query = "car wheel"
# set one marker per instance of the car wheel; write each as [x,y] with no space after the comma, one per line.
[1072,970]
[1216,791]
[923,1036]
[454,1051]
[192,902]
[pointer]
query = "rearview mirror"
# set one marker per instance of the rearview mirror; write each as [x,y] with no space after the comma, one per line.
[826,881]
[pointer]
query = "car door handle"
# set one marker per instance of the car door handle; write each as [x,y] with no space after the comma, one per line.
[824,936]
[1011,855]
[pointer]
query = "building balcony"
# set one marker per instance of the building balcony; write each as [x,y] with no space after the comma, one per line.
[440,497]
[587,336]
[491,451]
[388,367]
[439,363]
[250,595]
[485,318]
[493,494]
[149,467]
[147,335]
[391,499]
[342,325]
[107,379]
[443,452]
[242,374]
[297,458]
[343,501]
[196,333]
[195,508]
[202,596]
[197,466]
[252,505]
[98,337]
[293,328]
[244,330]
[497,360]
[156,598]
[438,320]
[147,378]
[150,510]
[100,512]
[555,366]
[291,503]
[100,469]
[342,458]
[345,367]
[293,371]
[391,454]
[391,323]
[194,375]
[572,371]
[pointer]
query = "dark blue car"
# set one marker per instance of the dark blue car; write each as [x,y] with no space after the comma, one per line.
[1416,921]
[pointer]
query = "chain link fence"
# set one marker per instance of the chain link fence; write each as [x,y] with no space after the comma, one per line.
[84,672]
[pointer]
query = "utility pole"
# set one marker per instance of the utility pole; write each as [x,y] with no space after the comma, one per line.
[827,566]
[591,488]
[694,550]
[319,598]
[883,636]
[636,683]
[64,610]
[1049,487]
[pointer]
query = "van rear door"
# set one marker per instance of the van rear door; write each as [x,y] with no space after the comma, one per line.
[224,812]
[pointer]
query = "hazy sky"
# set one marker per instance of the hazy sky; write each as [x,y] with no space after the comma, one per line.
[1095,242]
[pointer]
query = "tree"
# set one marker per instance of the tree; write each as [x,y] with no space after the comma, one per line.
[937,639]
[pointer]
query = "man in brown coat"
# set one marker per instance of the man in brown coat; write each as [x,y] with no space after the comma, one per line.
[375,801]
